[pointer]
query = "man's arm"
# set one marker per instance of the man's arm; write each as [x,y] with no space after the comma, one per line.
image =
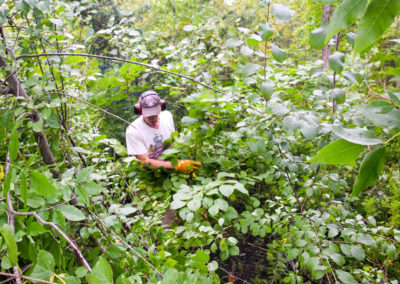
[145,159]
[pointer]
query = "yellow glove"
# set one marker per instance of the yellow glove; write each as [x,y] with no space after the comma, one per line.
[187,166]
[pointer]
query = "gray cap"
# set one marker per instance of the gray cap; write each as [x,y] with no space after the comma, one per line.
[150,103]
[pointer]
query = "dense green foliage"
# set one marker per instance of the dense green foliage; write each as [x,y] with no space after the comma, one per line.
[300,177]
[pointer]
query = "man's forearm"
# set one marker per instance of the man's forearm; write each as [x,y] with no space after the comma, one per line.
[157,163]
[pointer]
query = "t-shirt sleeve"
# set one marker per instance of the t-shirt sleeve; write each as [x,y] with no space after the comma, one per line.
[135,144]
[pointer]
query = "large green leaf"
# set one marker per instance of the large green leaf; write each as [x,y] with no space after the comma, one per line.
[267,88]
[345,277]
[44,267]
[345,15]
[278,53]
[338,153]
[42,185]
[282,13]
[357,135]
[13,146]
[265,31]
[317,37]
[12,250]
[382,114]
[379,16]
[72,213]
[371,167]
[336,61]
[101,273]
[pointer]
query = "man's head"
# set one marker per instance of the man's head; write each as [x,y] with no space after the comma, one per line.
[150,104]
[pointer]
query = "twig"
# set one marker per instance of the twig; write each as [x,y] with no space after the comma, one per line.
[229,274]
[55,227]
[125,243]
[121,60]
[92,105]
[25,277]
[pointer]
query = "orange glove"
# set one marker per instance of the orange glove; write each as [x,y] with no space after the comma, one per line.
[187,166]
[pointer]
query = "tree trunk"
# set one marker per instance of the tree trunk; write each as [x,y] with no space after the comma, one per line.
[15,88]
[326,17]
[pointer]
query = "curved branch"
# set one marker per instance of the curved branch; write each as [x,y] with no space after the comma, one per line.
[120,60]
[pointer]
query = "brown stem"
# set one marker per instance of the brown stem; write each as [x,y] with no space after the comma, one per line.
[17,90]
[25,277]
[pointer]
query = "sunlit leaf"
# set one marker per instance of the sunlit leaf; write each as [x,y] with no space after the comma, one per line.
[379,15]
[278,53]
[317,37]
[336,61]
[282,13]
[42,185]
[9,238]
[370,170]
[338,153]
[345,15]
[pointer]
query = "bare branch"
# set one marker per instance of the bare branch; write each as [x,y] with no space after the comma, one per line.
[121,60]
[25,277]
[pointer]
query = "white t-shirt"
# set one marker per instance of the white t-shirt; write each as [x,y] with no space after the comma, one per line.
[144,139]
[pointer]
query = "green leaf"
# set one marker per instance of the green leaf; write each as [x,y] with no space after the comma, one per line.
[234,250]
[170,276]
[317,37]
[282,13]
[222,204]
[82,195]
[396,235]
[338,95]
[176,204]
[3,13]
[201,257]
[345,277]
[226,190]
[84,174]
[92,188]
[265,31]
[246,51]
[42,185]
[345,15]
[81,272]
[360,136]
[394,95]
[357,252]
[101,273]
[253,40]
[72,213]
[35,229]
[293,253]
[278,53]
[379,15]
[370,169]
[249,69]
[267,89]
[194,204]
[12,249]
[13,146]
[37,126]
[336,62]
[213,210]
[233,42]
[300,243]
[44,267]
[391,251]
[366,240]
[338,153]
[353,77]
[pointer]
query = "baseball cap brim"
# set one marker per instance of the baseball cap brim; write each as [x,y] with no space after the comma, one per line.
[151,111]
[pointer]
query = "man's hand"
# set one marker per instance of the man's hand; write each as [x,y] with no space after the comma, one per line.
[187,166]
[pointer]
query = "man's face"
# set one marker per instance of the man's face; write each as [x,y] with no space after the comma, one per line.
[152,121]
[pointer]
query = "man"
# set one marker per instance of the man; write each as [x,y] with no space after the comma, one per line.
[146,135]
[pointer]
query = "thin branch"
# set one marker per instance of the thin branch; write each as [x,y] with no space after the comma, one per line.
[25,277]
[121,60]
[125,243]
[55,227]
[92,105]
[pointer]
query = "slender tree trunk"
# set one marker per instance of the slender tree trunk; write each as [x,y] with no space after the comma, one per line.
[15,88]
[326,17]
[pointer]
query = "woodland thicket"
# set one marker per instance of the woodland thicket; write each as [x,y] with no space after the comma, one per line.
[300,174]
